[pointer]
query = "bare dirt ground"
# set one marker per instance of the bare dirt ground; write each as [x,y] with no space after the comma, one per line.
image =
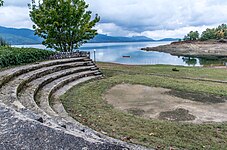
[166,104]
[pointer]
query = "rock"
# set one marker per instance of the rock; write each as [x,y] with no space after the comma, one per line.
[63,126]
[175,69]
[40,119]
[193,48]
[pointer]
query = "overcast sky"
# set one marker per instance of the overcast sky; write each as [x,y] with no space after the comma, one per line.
[153,18]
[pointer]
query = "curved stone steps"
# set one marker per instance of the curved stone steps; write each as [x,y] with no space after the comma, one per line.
[28,77]
[44,93]
[12,80]
[21,80]
[8,92]
[57,106]
[49,83]
[54,97]
[7,75]
[47,91]
[62,116]
[27,95]
[39,82]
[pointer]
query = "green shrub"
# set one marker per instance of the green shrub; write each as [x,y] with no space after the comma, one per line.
[10,56]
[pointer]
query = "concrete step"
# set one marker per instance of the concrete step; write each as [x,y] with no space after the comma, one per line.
[44,86]
[57,106]
[7,75]
[46,91]
[12,87]
[27,95]
[28,77]
[54,96]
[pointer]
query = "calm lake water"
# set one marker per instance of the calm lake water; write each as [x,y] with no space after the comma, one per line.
[116,52]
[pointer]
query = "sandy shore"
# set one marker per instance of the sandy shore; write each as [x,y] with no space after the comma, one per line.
[193,48]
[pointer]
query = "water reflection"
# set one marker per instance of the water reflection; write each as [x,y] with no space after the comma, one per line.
[114,52]
[213,62]
[190,61]
[205,61]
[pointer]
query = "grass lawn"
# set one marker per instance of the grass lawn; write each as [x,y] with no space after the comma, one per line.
[85,103]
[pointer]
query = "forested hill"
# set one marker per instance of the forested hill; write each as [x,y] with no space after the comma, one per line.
[26,36]
[19,36]
[105,38]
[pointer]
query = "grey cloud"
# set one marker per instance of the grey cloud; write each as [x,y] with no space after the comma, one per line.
[136,17]
[142,15]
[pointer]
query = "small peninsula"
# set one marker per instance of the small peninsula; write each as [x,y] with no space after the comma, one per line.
[210,48]
[211,43]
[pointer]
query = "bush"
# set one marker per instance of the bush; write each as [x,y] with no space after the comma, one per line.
[10,56]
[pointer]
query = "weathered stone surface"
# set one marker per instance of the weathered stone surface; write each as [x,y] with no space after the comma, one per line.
[19,132]
[193,48]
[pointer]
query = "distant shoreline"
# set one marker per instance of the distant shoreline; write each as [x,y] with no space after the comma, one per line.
[105,42]
[211,48]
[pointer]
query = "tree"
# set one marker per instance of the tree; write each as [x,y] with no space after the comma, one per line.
[208,34]
[215,33]
[1,3]
[192,36]
[63,24]
[221,31]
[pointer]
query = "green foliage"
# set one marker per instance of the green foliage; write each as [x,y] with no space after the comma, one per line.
[215,33]
[190,61]
[63,24]
[1,3]
[3,42]
[192,36]
[221,31]
[10,56]
[208,34]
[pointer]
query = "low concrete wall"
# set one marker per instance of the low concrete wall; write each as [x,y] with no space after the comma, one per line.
[76,54]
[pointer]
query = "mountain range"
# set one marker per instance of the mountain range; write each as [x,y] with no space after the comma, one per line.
[26,36]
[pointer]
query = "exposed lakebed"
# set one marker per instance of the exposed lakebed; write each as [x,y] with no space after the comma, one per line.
[167,104]
[130,53]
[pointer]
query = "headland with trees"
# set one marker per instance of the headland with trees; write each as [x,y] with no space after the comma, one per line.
[217,33]
[211,43]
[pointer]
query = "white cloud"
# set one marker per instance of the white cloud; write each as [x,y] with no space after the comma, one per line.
[177,33]
[154,18]
[160,16]
[12,16]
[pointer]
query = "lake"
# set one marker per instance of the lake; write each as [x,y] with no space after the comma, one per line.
[130,53]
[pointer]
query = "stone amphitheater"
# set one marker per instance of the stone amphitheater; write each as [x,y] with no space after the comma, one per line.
[32,116]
